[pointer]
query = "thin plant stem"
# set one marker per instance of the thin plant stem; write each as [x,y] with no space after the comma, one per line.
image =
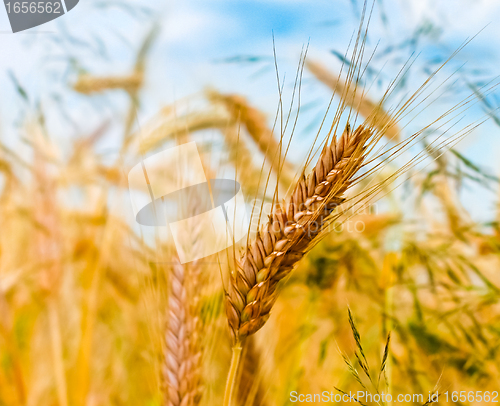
[57,354]
[233,373]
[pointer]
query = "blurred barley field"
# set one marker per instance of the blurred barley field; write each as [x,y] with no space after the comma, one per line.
[396,290]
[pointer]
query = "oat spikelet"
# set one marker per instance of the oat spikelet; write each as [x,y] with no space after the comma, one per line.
[290,231]
[181,366]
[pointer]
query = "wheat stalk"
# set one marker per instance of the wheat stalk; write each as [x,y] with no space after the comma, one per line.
[356,98]
[167,126]
[251,392]
[255,124]
[88,84]
[241,157]
[290,231]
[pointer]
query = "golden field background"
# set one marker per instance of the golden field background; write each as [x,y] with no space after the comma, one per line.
[84,291]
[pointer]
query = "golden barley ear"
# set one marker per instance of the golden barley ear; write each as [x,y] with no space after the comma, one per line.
[291,230]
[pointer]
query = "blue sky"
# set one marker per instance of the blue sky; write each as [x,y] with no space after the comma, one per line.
[200,43]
